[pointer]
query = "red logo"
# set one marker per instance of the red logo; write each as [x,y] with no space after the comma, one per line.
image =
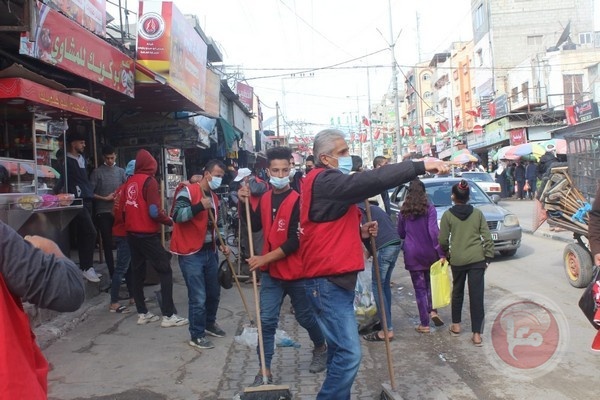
[151,26]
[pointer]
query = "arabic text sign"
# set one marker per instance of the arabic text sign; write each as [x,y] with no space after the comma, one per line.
[90,14]
[66,45]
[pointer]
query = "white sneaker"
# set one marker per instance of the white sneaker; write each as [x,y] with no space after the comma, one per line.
[174,320]
[147,318]
[91,275]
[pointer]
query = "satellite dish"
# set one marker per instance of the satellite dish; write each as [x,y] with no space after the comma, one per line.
[563,37]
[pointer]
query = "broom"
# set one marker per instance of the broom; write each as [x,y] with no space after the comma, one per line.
[388,391]
[264,391]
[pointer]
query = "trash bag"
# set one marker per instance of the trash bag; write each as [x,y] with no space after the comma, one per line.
[225,275]
[365,308]
[441,284]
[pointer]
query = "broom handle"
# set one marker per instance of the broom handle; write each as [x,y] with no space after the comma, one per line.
[261,346]
[237,282]
[381,302]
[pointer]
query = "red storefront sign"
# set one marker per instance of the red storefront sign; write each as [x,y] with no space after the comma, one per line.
[19,88]
[478,130]
[90,14]
[246,93]
[66,45]
[518,136]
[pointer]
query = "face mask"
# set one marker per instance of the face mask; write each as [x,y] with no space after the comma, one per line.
[215,182]
[345,164]
[279,183]
[292,172]
[308,169]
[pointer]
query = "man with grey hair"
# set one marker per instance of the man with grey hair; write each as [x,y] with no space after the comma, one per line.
[331,248]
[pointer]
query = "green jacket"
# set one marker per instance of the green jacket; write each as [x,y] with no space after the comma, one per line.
[465,236]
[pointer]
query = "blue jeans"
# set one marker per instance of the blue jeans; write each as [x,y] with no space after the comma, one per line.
[387,257]
[272,293]
[201,278]
[334,310]
[121,268]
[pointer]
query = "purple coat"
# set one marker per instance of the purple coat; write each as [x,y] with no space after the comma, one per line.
[421,245]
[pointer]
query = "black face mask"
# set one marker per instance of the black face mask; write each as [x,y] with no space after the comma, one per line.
[308,170]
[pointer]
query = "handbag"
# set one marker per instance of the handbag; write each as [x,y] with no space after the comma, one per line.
[441,285]
[587,303]
[526,187]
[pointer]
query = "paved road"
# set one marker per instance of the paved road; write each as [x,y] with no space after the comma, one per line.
[108,356]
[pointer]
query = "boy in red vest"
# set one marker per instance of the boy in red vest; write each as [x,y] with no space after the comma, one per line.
[195,241]
[143,216]
[278,215]
[331,248]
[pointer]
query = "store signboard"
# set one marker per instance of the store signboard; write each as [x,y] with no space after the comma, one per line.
[586,110]
[90,14]
[213,91]
[246,94]
[62,43]
[168,45]
[518,136]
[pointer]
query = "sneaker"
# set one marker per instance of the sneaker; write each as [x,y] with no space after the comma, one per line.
[174,320]
[201,343]
[91,275]
[319,361]
[215,330]
[258,380]
[146,318]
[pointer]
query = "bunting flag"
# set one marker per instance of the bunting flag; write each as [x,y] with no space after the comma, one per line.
[492,108]
[363,137]
[431,127]
[402,131]
[422,131]
[457,122]
[410,131]
[443,126]
[570,114]
[377,133]
[475,113]
[366,121]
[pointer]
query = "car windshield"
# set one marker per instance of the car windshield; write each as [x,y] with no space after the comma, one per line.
[478,176]
[439,194]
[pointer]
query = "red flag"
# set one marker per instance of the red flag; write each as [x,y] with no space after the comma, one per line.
[457,122]
[366,121]
[476,112]
[422,131]
[570,114]
[492,108]
[402,131]
[410,131]
[363,137]
[377,134]
[430,127]
[443,126]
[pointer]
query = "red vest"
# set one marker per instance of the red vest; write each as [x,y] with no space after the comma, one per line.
[118,228]
[276,233]
[328,248]
[137,216]
[23,368]
[188,237]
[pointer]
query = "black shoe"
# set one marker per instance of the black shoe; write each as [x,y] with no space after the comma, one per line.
[215,330]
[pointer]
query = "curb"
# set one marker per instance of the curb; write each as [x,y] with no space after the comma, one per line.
[547,235]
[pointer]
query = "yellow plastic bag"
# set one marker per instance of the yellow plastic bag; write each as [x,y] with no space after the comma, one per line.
[441,284]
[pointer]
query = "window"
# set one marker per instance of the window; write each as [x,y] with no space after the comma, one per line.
[457,101]
[429,113]
[467,96]
[534,40]
[514,94]
[478,17]
[479,56]
[426,77]
[427,95]
[586,37]
[573,89]
[525,90]
[465,69]
[455,74]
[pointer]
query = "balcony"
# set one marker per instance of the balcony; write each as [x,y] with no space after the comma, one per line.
[532,98]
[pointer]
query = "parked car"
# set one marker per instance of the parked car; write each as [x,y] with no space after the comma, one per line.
[484,180]
[504,226]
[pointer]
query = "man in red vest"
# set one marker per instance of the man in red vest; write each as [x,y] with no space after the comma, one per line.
[278,215]
[331,247]
[35,270]
[143,216]
[195,241]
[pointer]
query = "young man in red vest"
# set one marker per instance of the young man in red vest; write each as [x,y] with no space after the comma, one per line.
[143,216]
[195,241]
[331,247]
[35,270]
[278,215]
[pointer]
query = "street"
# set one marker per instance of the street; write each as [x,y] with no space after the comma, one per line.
[108,356]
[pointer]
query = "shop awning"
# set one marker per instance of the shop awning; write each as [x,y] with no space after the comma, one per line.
[19,91]
[229,132]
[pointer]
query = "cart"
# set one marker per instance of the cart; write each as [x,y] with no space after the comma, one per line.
[566,195]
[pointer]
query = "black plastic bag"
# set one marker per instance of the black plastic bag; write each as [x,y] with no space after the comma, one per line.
[225,276]
[587,303]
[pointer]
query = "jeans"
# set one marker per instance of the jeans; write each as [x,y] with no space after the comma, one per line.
[200,272]
[148,249]
[272,293]
[475,275]
[104,222]
[121,270]
[422,285]
[86,235]
[387,257]
[334,310]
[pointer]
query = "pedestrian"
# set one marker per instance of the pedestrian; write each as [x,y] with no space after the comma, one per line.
[35,270]
[143,216]
[546,161]
[296,176]
[388,245]
[79,185]
[331,248]
[418,227]
[194,240]
[531,179]
[594,241]
[105,180]
[277,215]
[510,179]
[467,242]
[378,162]
[502,180]
[309,164]
[520,179]
[119,234]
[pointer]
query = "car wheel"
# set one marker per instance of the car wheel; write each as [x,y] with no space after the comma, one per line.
[578,265]
[508,253]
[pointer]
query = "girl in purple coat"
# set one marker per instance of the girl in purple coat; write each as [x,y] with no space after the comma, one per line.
[417,225]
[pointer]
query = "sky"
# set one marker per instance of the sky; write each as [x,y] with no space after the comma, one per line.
[262,37]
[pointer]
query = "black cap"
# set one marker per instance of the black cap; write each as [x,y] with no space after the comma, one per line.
[73,136]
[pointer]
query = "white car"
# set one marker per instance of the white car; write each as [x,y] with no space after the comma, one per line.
[484,181]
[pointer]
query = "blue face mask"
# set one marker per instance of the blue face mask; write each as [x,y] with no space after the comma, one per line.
[279,183]
[215,182]
[345,164]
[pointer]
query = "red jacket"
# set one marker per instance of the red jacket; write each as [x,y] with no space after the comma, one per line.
[328,248]
[188,237]
[23,368]
[276,233]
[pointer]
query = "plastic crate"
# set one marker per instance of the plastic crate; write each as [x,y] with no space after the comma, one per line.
[583,157]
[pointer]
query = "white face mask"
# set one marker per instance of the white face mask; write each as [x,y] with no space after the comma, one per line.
[215,182]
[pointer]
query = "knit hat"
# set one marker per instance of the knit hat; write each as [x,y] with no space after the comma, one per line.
[130,169]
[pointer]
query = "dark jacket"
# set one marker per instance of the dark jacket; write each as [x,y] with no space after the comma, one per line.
[78,182]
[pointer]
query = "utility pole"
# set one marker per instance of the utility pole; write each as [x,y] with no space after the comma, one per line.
[277,118]
[395,87]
